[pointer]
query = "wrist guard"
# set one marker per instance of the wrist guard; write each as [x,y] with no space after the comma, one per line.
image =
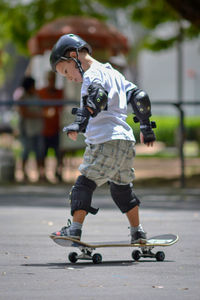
[81,120]
[146,129]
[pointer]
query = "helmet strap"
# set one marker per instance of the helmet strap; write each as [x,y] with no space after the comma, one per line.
[78,65]
[77,62]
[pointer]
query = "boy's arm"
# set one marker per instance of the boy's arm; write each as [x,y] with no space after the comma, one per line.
[81,120]
[93,104]
[141,105]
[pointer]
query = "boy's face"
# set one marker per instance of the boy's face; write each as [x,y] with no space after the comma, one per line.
[69,70]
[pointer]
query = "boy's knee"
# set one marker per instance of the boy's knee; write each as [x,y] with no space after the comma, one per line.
[81,195]
[124,197]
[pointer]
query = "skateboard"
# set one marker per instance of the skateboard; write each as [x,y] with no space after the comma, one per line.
[88,248]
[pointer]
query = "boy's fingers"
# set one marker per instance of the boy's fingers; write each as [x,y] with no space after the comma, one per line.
[72,135]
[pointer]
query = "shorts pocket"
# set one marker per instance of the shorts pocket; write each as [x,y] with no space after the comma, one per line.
[108,149]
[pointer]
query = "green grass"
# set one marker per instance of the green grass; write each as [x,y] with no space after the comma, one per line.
[167,129]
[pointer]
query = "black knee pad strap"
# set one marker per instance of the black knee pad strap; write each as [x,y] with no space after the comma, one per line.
[124,197]
[81,195]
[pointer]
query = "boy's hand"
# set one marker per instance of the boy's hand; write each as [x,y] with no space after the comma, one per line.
[148,135]
[72,135]
[81,121]
[149,144]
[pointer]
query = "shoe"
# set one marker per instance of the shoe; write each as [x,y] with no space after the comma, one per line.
[139,237]
[66,231]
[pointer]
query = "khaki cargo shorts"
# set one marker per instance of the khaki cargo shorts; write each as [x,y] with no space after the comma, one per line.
[109,161]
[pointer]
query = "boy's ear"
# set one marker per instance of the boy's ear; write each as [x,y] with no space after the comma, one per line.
[73,54]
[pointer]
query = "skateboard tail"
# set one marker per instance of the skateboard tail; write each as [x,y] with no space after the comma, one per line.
[64,242]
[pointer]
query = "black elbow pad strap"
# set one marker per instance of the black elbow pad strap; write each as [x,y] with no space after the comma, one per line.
[96,99]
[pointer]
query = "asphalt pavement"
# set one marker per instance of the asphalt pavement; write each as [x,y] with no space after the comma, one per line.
[33,267]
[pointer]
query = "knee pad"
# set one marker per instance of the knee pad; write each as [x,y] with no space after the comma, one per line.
[81,195]
[124,197]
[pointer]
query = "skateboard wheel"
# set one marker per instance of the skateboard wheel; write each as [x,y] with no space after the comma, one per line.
[97,258]
[136,255]
[73,257]
[160,256]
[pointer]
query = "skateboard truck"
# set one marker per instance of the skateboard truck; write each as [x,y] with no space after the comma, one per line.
[146,251]
[85,255]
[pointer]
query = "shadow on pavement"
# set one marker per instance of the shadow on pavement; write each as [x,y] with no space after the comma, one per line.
[81,265]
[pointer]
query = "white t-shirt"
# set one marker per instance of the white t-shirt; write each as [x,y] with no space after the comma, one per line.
[109,124]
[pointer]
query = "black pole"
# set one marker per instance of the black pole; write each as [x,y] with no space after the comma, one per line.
[180,102]
[182,139]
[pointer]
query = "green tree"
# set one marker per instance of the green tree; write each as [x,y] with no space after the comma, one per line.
[188,9]
[151,14]
[20,19]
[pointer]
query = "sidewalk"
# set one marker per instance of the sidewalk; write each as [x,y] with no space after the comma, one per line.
[58,196]
[148,171]
[33,267]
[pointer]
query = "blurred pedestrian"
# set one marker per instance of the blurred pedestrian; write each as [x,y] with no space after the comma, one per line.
[51,120]
[31,125]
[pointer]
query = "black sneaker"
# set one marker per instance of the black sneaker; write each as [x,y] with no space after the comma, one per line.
[66,231]
[139,237]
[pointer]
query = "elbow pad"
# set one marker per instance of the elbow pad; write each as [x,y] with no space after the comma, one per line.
[140,103]
[97,99]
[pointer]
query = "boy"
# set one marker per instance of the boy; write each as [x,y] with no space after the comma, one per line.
[110,141]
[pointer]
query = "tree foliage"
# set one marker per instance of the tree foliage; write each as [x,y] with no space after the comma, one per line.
[152,14]
[188,9]
[20,19]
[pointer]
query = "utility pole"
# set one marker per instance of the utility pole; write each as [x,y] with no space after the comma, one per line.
[180,102]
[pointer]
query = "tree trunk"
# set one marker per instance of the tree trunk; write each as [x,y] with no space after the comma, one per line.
[188,9]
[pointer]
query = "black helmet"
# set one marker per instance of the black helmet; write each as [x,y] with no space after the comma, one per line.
[65,43]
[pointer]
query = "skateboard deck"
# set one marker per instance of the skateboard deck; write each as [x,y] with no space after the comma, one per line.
[145,249]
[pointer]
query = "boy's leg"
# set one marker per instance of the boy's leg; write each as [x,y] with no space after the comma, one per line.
[80,201]
[128,203]
[137,233]
[79,216]
[133,216]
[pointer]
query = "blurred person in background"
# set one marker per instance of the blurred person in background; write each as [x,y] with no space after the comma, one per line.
[51,118]
[31,125]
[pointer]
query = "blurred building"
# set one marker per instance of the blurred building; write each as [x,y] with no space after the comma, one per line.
[158,74]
